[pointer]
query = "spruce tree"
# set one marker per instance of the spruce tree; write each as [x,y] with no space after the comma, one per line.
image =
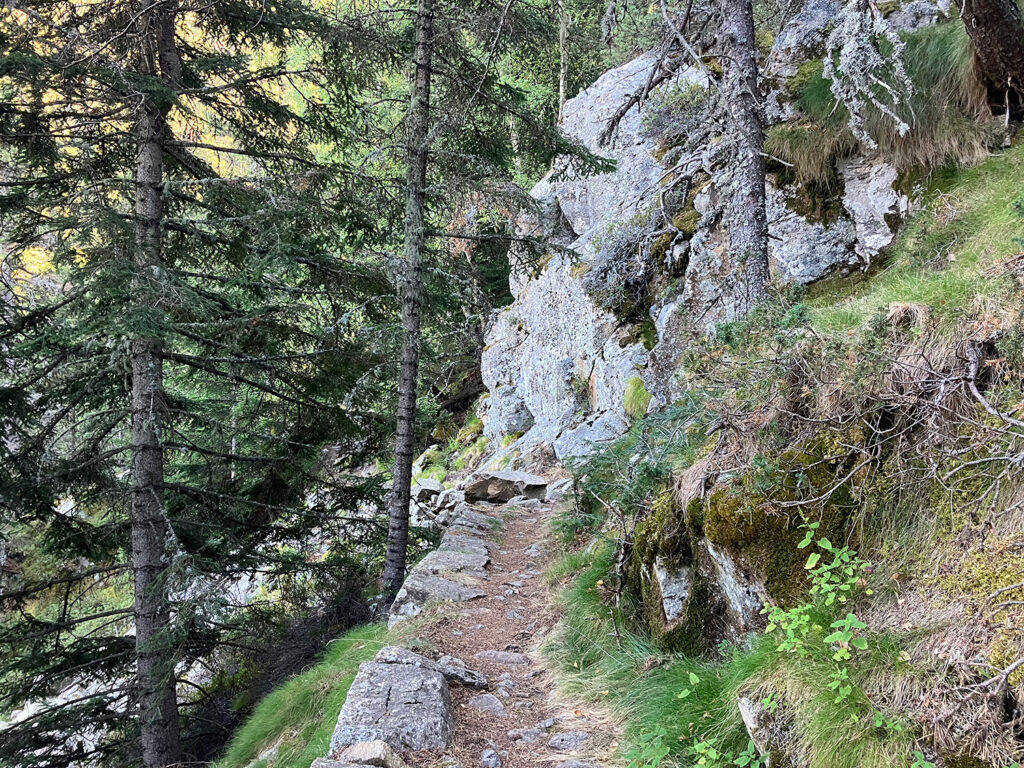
[181,339]
[466,126]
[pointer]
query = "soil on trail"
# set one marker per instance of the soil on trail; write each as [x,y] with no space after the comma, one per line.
[515,616]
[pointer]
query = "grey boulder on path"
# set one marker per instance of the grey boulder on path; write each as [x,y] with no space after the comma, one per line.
[397,700]
[501,486]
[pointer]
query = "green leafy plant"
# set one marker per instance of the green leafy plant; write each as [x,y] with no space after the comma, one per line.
[835,581]
[649,750]
[845,637]
[685,693]
[705,752]
[839,682]
[920,761]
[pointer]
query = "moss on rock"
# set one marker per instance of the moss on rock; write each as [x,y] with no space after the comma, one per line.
[752,517]
[663,536]
[636,399]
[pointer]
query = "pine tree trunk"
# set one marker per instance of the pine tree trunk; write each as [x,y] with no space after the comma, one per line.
[563,56]
[746,217]
[158,707]
[997,33]
[411,289]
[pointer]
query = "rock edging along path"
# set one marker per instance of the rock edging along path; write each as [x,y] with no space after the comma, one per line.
[469,691]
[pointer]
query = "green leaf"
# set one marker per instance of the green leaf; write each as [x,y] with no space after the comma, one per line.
[812,561]
[694,679]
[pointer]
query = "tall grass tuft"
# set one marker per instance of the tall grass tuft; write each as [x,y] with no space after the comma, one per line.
[948,114]
[947,258]
[605,662]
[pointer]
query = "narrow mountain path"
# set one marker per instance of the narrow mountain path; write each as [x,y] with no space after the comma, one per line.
[462,681]
[519,720]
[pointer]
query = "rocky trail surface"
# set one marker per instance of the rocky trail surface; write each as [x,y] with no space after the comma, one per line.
[464,684]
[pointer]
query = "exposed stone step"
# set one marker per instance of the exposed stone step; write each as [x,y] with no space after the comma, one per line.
[401,699]
[453,571]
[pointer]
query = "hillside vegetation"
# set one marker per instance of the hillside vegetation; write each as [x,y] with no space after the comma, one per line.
[858,446]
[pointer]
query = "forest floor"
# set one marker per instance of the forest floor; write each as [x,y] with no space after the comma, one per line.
[521,717]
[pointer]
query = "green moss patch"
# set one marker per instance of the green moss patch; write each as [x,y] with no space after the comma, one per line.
[636,399]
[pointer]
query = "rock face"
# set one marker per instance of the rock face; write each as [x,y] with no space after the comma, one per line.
[556,355]
[558,360]
[408,706]
[674,586]
[771,731]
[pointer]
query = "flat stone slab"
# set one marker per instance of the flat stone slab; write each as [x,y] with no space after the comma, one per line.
[465,531]
[489,703]
[421,587]
[500,486]
[503,657]
[375,753]
[407,706]
[453,669]
[456,671]
[454,561]
[568,741]
[472,518]
[457,541]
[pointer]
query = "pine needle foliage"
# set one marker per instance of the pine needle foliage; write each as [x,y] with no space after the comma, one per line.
[259,314]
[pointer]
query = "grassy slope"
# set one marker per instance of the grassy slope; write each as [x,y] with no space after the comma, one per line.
[967,226]
[302,712]
[693,699]
[947,259]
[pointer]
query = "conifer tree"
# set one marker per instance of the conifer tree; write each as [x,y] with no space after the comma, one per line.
[457,152]
[181,339]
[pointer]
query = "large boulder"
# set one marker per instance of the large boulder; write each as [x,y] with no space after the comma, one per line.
[407,706]
[501,486]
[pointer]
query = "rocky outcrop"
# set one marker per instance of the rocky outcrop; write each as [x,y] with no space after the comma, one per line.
[559,359]
[500,487]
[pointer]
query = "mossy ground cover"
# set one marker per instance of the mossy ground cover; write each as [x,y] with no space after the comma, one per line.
[300,715]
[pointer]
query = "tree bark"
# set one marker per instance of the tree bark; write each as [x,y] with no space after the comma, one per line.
[997,33]
[411,290]
[158,707]
[563,56]
[746,217]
